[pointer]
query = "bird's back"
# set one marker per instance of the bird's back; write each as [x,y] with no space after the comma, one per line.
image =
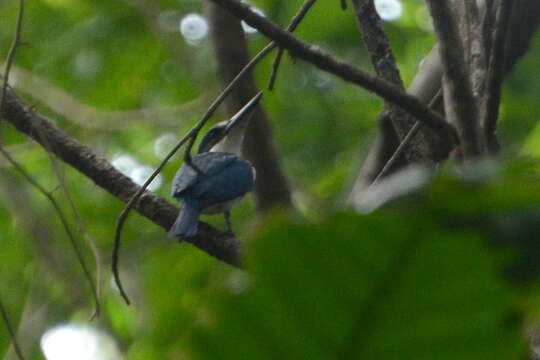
[225,176]
[231,183]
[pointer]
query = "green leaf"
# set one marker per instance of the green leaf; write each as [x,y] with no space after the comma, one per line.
[367,287]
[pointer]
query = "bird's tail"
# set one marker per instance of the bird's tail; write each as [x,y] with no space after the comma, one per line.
[186,224]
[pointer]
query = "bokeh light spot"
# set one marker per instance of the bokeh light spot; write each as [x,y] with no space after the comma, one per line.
[124,163]
[70,341]
[194,28]
[164,144]
[142,173]
[389,9]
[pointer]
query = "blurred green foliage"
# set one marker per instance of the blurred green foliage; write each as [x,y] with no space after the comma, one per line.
[355,287]
[445,273]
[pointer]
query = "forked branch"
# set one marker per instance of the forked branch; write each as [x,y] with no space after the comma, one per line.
[316,56]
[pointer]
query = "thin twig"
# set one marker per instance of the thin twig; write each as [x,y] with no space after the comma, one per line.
[294,24]
[9,61]
[275,68]
[11,331]
[11,54]
[96,289]
[63,220]
[399,151]
[191,136]
[62,183]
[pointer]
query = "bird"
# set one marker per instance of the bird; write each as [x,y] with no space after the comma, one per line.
[221,177]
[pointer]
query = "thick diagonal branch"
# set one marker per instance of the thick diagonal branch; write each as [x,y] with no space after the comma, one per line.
[103,174]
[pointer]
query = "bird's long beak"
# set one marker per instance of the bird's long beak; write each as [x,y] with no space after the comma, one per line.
[244,113]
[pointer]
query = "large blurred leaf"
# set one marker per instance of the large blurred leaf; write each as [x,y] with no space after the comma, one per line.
[366,287]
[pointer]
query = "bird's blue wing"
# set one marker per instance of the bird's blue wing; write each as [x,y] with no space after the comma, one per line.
[210,163]
[185,177]
[230,182]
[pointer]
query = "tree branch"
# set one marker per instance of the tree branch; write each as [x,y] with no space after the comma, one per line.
[377,42]
[476,46]
[294,24]
[10,330]
[524,22]
[9,61]
[460,103]
[390,151]
[11,54]
[424,148]
[425,86]
[385,66]
[216,243]
[316,56]
[94,287]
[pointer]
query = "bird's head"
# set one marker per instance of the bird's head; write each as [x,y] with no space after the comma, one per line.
[232,129]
